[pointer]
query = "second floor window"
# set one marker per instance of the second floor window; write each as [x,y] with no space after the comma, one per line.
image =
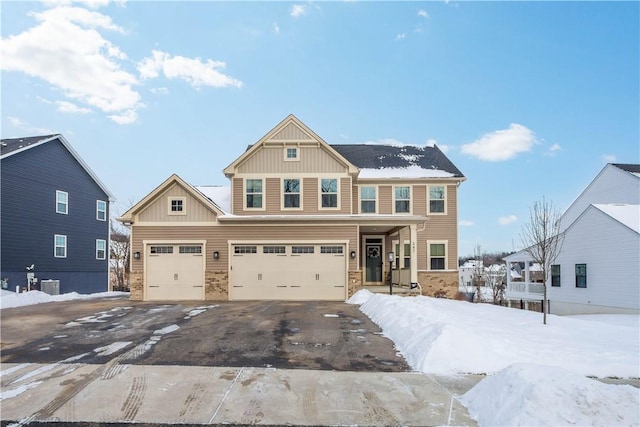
[291,191]
[253,193]
[403,199]
[62,202]
[436,199]
[367,199]
[329,189]
[101,210]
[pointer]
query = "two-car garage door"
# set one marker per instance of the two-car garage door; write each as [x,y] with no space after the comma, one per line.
[287,271]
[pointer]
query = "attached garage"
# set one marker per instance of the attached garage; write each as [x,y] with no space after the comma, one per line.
[174,271]
[286,271]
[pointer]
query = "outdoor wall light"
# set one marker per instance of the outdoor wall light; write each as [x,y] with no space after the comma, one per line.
[353,254]
[136,255]
[216,255]
[390,256]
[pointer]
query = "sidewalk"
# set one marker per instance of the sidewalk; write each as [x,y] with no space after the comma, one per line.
[204,395]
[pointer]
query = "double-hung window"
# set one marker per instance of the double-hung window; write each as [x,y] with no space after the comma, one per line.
[437,256]
[101,210]
[291,193]
[555,275]
[329,192]
[367,199]
[60,246]
[62,202]
[402,199]
[101,249]
[406,255]
[581,275]
[437,194]
[253,193]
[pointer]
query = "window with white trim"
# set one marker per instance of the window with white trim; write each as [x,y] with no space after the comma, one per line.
[329,192]
[437,198]
[101,249]
[291,193]
[402,199]
[62,202]
[101,210]
[367,199]
[406,255]
[253,193]
[60,246]
[177,206]
[437,254]
[291,154]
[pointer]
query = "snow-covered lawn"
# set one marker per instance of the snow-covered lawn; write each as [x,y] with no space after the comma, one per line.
[537,374]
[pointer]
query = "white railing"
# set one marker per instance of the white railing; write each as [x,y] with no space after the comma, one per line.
[525,289]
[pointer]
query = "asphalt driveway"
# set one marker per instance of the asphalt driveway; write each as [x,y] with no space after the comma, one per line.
[284,335]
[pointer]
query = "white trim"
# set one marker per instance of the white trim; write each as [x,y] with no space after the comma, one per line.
[375,187]
[282,195]
[337,193]
[55,245]
[263,194]
[446,195]
[291,159]
[170,199]
[393,189]
[446,253]
[105,249]
[363,256]
[98,210]
[66,203]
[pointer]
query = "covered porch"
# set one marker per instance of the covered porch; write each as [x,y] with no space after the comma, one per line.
[529,286]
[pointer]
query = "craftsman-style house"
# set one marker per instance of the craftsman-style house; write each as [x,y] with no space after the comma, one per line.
[302,220]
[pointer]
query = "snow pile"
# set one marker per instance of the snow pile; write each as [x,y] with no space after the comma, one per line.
[530,394]
[412,171]
[445,336]
[12,299]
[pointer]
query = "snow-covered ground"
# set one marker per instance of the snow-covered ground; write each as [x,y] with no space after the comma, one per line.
[536,374]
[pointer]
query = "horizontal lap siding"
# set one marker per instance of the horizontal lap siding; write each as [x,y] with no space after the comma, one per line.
[217,238]
[441,227]
[385,200]
[271,160]
[238,196]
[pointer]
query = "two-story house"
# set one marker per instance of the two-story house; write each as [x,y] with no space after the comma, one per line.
[305,221]
[55,216]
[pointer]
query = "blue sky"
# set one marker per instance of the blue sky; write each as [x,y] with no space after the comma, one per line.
[528,99]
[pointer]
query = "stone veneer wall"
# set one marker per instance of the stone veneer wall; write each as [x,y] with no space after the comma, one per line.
[216,285]
[355,282]
[442,284]
[136,286]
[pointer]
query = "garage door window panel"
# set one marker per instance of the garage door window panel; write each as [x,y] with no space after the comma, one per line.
[190,249]
[156,250]
[297,250]
[274,250]
[239,250]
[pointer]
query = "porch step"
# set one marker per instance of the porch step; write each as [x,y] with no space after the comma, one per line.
[397,290]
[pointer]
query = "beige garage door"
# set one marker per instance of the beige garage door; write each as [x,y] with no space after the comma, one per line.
[174,272]
[288,272]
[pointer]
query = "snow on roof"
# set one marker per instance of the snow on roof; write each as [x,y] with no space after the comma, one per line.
[413,171]
[629,215]
[218,194]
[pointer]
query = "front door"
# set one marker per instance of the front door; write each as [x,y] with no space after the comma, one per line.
[373,266]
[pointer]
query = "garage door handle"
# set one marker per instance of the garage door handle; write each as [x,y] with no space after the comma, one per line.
[281,286]
[154,286]
[197,286]
[339,286]
[296,286]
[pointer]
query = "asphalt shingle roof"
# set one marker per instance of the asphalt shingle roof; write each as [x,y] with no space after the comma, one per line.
[629,167]
[10,145]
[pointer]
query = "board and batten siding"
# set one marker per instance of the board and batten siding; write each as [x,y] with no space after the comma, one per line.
[610,251]
[217,238]
[270,159]
[158,210]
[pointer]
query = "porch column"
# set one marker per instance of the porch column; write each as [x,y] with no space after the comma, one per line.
[413,242]
[508,277]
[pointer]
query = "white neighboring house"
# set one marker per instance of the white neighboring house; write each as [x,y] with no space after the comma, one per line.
[467,271]
[598,269]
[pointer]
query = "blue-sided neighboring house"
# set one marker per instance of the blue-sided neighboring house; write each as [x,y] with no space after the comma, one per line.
[54,216]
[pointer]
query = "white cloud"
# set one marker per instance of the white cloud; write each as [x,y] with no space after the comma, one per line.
[401,36]
[608,158]
[507,219]
[66,50]
[445,148]
[423,13]
[69,107]
[502,145]
[276,28]
[553,150]
[298,10]
[193,70]
[125,118]
[25,126]
[466,223]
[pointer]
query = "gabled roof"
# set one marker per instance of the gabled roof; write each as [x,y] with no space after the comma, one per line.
[13,146]
[628,215]
[399,161]
[291,129]
[173,179]
[628,167]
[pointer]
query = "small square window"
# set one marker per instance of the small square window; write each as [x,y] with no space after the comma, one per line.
[101,249]
[101,210]
[291,153]
[177,206]
[62,202]
[60,246]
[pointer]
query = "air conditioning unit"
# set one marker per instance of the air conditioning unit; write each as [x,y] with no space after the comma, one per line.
[51,287]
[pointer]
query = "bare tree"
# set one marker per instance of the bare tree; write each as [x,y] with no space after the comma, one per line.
[542,241]
[477,280]
[119,258]
[494,280]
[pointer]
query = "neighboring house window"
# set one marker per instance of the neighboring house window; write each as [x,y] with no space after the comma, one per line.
[403,199]
[407,255]
[437,199]
[581,275]
[177,206]
[437,256]
[60,246]
[291,190]
[62,202]
[253,193]
[555,275]
[291,153]
[101,210]
[101,249]
[329,193]
[367,199]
